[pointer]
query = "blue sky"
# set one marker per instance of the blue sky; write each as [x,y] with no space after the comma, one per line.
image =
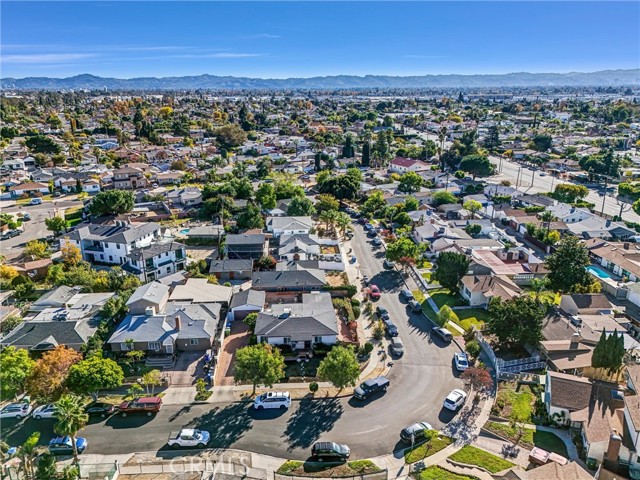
[277,40]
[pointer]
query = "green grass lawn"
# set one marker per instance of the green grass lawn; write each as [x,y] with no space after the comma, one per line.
[520,403]
[472,317]
[474,456]
[442,296]
[427,449]
[436,473]
[428,311]
[545,440]
[292,369]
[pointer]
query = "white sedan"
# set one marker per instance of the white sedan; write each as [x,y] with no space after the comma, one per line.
[16,410]
[455,399]
[44,411]
[461,362]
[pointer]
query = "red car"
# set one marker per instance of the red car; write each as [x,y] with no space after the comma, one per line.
[374,292]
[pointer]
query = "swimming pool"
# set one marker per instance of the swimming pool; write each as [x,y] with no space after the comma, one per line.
[598,272]
[184,231]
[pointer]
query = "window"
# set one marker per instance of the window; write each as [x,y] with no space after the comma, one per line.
[118,246]
[317,339]
[286,340]
[125,347]
[111,258]
[154,346]
[193,341]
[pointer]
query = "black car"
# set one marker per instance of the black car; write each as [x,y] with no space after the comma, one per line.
[99,409]
[391,328]
[382,313]
[326,450]
[370,387]
[415,306]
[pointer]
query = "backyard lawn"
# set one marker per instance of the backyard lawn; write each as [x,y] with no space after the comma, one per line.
[426,449]
[436,473]
[530,438]
[475,456]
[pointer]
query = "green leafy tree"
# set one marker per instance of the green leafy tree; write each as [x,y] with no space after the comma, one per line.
[567,265]
[325,202]
[443,197]
[151,380]
[347,149]
[473,206]
[46,467]
[340,367]
[112,202]
[259,365]
[27,453]
[266,196]
[542,142]
[16,368]
[230,136]
[410,182]
[446,314]
[42,144]
[404,247]
[473,229]
[37,250]
[374,203]
[451,268]
[287,189]
[70,419]
[477,165]
[366,153]
[492,139]
[517,320]
[301,207]
[608,355]
[55,224]
[343,187]
[250,320]
[570,193]
[250,217]
[94,374]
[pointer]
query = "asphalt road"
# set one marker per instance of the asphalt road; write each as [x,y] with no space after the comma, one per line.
[419,383]
[532,182]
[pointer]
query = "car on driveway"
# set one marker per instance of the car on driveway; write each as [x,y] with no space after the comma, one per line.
[415,305]
[374,292]
[460,360]
[397,347]
[16,410]
[455,399]
[99,409]
[389,265]
[371,387]
[406,295]
[391,328]
[44,411]
[64,445]
[415,432]
[382,312]
[443,333]
[329,450]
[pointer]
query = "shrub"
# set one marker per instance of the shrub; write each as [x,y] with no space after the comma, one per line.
[378,330]
[355,302]
[368,347]
[313,387]
[201,390]
[356,312]
[473,348]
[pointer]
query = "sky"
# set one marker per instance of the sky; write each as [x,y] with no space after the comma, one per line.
[303,39]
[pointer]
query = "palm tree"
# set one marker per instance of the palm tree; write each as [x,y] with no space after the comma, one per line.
[27,453]
[329,218]
[547,217]
[71,419]
[538,285]
[344,222]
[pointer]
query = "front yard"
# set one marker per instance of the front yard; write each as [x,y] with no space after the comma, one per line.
[294,371]
[437,473]
[317,469]
[467,317]
[530,438]
[471,455]
[517,399]
[427,449]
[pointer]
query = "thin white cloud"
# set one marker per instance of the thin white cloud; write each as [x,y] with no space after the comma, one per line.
[424,56]
[219,55]
[48,58]
[260,35]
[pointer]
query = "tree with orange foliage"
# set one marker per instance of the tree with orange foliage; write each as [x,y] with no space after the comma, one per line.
[47,379]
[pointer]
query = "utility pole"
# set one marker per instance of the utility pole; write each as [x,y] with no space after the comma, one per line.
[518,177]
[604,196]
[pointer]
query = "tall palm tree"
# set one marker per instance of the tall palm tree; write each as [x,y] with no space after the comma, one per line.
[547,217]
[344,222]
[27,453]
[329,218]
[71,418]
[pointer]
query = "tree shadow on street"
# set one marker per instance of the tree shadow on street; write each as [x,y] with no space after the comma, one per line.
[226,425]
[312,419]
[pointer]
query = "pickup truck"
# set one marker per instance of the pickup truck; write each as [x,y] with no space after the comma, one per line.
[189,437]
[370,387]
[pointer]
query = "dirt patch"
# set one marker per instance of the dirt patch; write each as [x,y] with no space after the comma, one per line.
[238,338]
[338,280]
[316,469]
[161,476]
[200,253]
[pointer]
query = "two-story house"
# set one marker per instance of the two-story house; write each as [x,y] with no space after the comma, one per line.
[129,178]
[112,244]
[289,225]
[157,260]
[245,246]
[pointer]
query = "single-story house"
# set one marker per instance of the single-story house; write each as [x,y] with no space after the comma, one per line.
[199,290]
[289,280]
[231,269]
[245,302]
[289,225]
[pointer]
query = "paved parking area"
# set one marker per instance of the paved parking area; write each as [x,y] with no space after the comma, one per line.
[238,338]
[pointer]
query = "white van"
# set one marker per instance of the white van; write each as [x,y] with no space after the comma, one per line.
[280,400]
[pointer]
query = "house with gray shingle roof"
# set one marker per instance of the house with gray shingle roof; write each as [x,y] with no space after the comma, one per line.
[245,302]
[289,280]
[300,325]
[289,225]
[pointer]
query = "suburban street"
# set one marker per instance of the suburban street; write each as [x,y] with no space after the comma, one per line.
[419,383]
[533,182]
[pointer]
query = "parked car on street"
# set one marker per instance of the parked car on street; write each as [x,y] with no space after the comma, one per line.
[15,410]
[455,399]
[281,400]
[327,450]
[10,234]
[147,405]
[443,333]
[397,347]
[374,292]
[460,360]
[189,437]
[35,201]
[382,312]
[44,411]
[389,265]
[376,242]
[415,432]
[26,216]
[415,305]
[406,295]
[99,409]
[391,328]
[371,387]
[64,445]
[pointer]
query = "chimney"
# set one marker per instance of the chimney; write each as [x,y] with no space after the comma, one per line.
[613,449]
[626,245]
[575,341]
[178,323]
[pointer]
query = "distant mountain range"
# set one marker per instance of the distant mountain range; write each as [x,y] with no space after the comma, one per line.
[522,79]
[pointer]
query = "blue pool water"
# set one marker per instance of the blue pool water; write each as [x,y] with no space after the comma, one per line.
[185,231]
[598,272]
